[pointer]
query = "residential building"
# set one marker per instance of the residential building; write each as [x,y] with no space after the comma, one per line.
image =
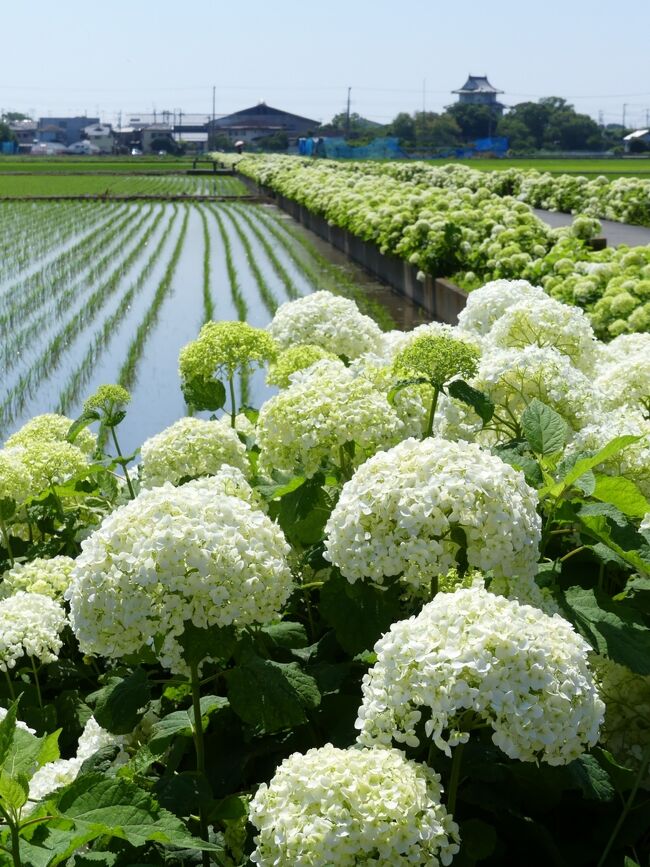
[261,120]
[65,130]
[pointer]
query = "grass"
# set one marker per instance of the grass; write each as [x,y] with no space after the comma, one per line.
[611,168]
[77,165]
[15,186]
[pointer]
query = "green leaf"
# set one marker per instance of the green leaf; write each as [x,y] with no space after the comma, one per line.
[582,466]
[591,778]
[614,629]
[121,704]
[184,793]
[281,489]
[287,635]
[545,429]
[28,753]
[7,731]
[481,403]
[117,808]
[604,523]
[81,423]
[180,723]
[204,393]
[359,613]
[229,808]
[622,777]
[7,508]
[216,642]
[622,493]
[14,791]
[528,465]
[303,513]
[271,696]
[404,383]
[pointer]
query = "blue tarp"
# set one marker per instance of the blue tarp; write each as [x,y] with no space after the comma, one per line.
[337,148]
[8,147]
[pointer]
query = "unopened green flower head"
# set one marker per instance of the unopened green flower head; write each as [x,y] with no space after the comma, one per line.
[438,359]
[222,348]
[295,358]
[108,398]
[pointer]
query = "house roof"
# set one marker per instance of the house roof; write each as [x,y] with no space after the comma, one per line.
[263,116]
[638,133]
[477,84]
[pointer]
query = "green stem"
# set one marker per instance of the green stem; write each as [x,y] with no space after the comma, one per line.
[15,837]
[37,683]
[5,536]
[199,746]
[432,412]
[12,691]
[123,463]
[233,404]
[454,778]
[628,805]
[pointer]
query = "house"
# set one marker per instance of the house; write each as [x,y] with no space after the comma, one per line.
[100,135]
[64,130]
[477,90]
[25,132]
[260,121]
[637,141]
[156,132]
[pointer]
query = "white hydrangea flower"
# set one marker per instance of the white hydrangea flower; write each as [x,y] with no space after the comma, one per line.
[632,462]
[623,376]
[485,305]
[546,322]
[410,404]
[432,329]
[624,348]
[15,477]
[396,515]
[520,671]
[346,807]
[330,321]
[172,555]
[48,577]
[30,625]
[645,523]
[325,407]
[51,427]
[190,447]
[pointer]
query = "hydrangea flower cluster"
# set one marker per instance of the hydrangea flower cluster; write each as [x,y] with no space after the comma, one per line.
[188,448]
[295,358]
[15,477]
[488,303]
[223,348]
[477,655]
[51,427]
[329,321]
[436,358]
[347,807]
[107,398]
[47,577]
[172,555]
[623,375]
[52,463]
[627,698]
[324,407]
[545,322]
[398,513]
[30,625]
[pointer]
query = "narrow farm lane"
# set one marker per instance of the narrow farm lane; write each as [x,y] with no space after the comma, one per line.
[616,233]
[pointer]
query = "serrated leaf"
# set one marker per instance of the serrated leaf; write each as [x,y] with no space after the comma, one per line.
[271,696]
[81,423]
[120,705]
[14,791]
[525,463]
[582,466]
[202,393]
[216,642]
[180,723]
[480,403]
[544,428]
[404,383]
[276,492]
[287,634]
[359,613]
[591,778]
[614,629]
[622,493]
[7,731]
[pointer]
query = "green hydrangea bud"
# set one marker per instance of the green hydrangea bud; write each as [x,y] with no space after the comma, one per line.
[437,359]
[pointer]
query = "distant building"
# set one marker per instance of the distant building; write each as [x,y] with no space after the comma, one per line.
[64,130]
[639,140]
[477,90]
[100,135]
[25,132]
[155,132]
[262,120]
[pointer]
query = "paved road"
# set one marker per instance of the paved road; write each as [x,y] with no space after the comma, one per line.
[616,233]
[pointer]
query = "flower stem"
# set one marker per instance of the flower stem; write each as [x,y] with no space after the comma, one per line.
[628,805]
[199,746]
[5,536]
[432,412]
[454,778]
[12,691]
[37,683]
[123,463]
[233,405]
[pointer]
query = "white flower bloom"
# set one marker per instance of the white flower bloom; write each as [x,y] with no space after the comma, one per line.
[397,514]
[15,477]
[546,322]
[326,320]
[323,408]
[30,625]
[485,305]
[172,555]
[624,372]
[345,807]
[190,447]
[520,671]
[49,577]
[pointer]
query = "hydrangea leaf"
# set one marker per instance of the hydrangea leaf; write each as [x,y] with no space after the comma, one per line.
[480,403]
[180,723]
[120,705]
[614,629]
[79,424]
[7,731]
[592,779]
[271,696]
[582,466]
[202,393]
[622,493]
[545,429]
[216,642]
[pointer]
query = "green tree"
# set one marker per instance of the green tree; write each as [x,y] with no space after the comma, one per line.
[436,130]
[475,121]
[11,116]
[5,133]
[403,127]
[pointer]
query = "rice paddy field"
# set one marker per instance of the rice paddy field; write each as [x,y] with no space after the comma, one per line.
[634,167]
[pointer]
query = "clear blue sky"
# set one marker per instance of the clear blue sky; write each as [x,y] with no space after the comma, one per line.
[72,57]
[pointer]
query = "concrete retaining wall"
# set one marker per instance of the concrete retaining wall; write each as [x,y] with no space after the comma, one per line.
[441,299]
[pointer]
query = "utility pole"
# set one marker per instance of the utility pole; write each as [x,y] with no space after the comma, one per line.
[424,95]
[624,108]
[347,116]
[214,96]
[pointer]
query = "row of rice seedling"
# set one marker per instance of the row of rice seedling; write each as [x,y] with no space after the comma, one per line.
[16,186]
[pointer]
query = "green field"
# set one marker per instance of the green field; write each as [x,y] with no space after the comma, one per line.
[611,168]
[76,165]
[18,186]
